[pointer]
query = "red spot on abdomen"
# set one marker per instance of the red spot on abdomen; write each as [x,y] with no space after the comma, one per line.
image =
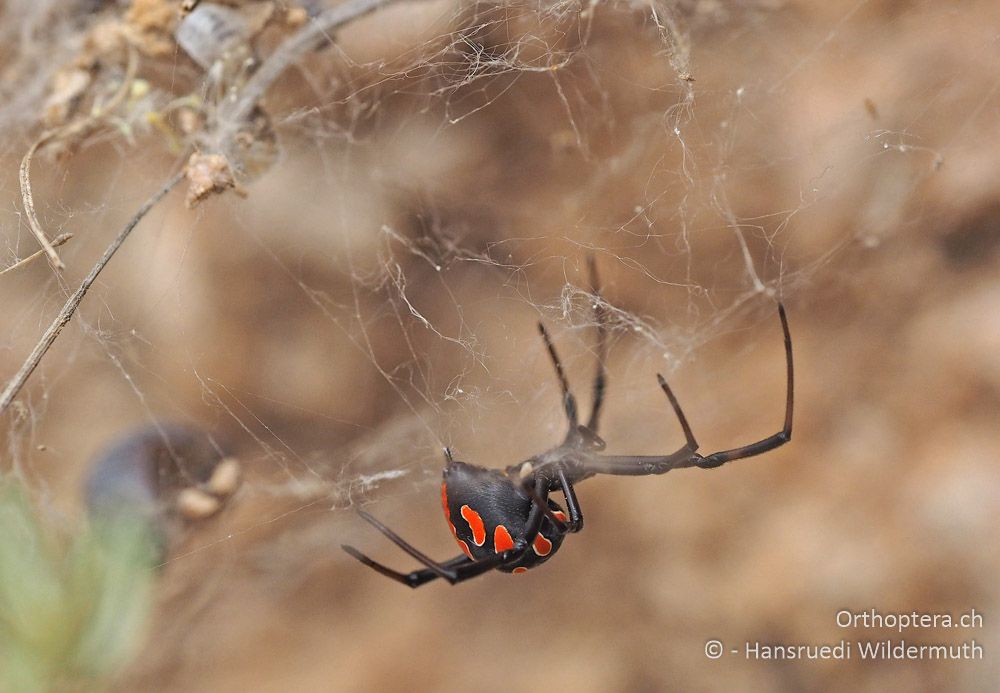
[542,546]
[502,540]
[519,570]
[560,515]
[447,516]
[475,524]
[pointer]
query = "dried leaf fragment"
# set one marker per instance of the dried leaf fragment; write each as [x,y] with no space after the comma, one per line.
[68,87]
[208,174]
[150,26]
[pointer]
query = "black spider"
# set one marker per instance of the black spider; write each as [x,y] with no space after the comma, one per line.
[506,521]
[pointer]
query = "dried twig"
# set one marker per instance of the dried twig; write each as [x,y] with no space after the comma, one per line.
[43,345]
[29,204]
[234,114]
[56,242]
[232,117]
[76,129]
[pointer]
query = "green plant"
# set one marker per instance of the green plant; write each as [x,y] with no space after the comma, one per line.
[72,609]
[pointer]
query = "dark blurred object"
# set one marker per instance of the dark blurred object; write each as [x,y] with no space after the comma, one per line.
[92,6]
[974,240]
[159,476]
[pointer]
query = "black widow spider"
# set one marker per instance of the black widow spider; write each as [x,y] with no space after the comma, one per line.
[506,520]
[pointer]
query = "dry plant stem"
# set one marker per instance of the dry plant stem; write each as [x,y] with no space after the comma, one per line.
[234,114]
[29,203]
[17,382]
[232,117]
[56,242]
[77,129]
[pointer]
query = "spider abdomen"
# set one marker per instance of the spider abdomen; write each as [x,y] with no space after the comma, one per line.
[488,515]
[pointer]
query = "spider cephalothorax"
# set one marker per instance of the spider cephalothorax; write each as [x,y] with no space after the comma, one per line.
[506,520]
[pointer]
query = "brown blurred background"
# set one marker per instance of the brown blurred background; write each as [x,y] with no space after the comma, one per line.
[442,176]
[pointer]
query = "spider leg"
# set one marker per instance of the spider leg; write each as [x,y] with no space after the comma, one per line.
[687,456]
[575,523]
[692,444]
[415,578]
[453,570]
[641,465]
[572,505]
[717,459]
[601,320]
[535,515]
[560,525]
[569,401]
[588,439]
[435,567]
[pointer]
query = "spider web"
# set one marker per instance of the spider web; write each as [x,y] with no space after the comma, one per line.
[442,174]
